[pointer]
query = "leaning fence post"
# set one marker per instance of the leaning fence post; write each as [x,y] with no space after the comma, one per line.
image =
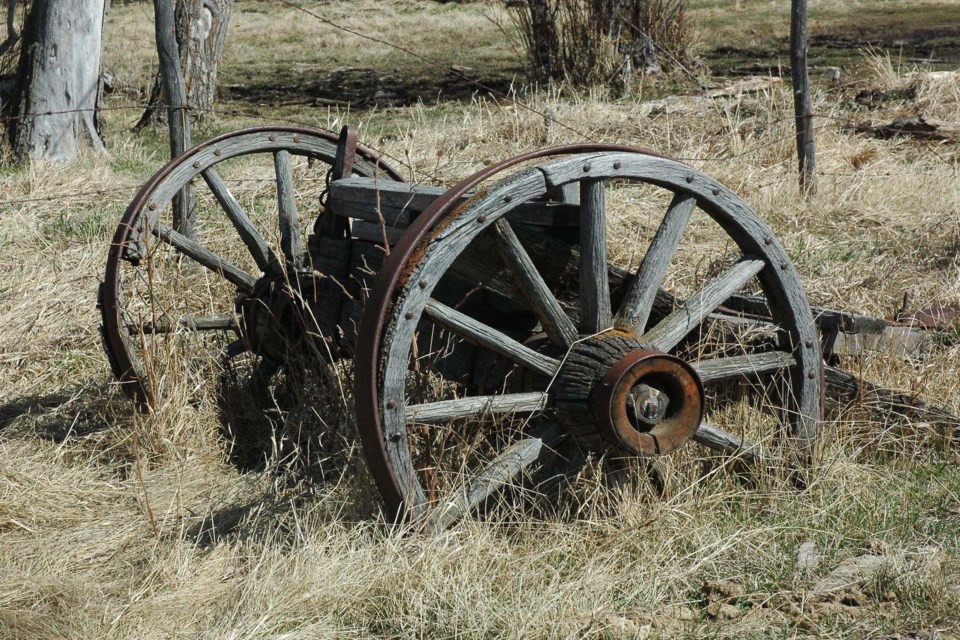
[801,95]
[177,117]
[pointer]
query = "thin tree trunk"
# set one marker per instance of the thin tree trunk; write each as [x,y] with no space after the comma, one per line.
[201,30]
[58,80]
[801,95]
[546,40]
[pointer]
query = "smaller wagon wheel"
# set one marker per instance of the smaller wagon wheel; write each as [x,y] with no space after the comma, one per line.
[464,390]
[249,288]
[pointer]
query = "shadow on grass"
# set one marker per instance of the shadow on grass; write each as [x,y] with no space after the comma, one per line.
[72,411]
[368,87]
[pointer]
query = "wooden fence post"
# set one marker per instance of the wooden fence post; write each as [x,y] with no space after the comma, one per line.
[801,95]
[177,117]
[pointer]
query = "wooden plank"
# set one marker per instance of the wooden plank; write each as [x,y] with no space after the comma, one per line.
[718,369]
[475,406]
[672,329]
[500,472]
[490,338]
[208,259]
[595,312]
[400,202]
[374,232]
[635,310]
[895,339]
[291,244]
[192,323]
[845,388]
[366,260]
[247,231]
[555,321]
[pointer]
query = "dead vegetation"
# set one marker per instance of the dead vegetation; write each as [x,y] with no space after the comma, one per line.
[118,525]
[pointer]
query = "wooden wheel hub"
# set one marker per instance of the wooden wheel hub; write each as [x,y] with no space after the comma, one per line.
[615,390]
[649,402]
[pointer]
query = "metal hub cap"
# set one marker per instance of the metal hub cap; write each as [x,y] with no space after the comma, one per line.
[648,402]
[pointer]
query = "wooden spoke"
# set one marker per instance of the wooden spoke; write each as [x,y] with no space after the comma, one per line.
[492,477]
[672,329]
[594,288]
[192,323]
[719,369]
[555,321]
[290,242]
[635,310]
[725,442]
[193,249]
[251,237]
[490,338]
[475,406]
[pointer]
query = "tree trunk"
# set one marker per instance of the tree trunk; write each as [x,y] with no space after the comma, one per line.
[201,30]
[58,80]
[546,45]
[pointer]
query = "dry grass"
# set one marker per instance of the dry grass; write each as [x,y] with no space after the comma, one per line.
[119,525]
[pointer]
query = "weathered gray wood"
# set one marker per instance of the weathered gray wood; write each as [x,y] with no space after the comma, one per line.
[247,231]
[178,120]
[475,406]
[595,312]
[489,338]
[718,369]
[555,321]
[291,243]
[58,76]
[847,389]
[374,232]
[803,111]
[400,202]
[635,310]
[672,329]
[719,440]
[194,323]
[894,339]
[207,258]
[499,473]
[782,285]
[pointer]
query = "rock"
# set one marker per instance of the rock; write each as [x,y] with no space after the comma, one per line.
[807,557]
[851,572]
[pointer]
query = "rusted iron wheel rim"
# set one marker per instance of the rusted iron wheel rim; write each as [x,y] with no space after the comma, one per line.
[402,296]
[122,344]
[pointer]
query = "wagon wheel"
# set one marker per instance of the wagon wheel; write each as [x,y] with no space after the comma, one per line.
[602,357]
[250,289]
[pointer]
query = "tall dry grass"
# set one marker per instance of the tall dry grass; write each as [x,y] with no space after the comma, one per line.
[120,525]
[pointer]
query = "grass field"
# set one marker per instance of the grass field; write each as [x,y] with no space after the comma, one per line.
[115,524]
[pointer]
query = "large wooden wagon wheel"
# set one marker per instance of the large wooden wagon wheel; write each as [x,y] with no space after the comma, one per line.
[252,286]
[563,346]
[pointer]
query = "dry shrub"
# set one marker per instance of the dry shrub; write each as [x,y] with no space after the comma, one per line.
[591,42]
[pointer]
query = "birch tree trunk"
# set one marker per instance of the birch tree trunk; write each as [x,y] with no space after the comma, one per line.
[58,80]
